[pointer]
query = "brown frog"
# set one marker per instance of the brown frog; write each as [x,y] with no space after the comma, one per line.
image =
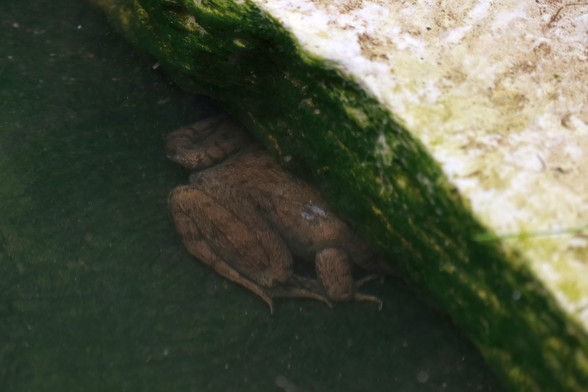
[249,220]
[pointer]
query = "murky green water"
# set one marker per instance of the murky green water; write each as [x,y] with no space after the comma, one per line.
[97,293]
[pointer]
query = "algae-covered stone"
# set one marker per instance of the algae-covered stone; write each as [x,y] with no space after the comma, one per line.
[452,135]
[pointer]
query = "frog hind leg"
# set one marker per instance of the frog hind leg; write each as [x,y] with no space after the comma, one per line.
[202,251]
[194,226]
[333,269]
[301,287]
[250,254]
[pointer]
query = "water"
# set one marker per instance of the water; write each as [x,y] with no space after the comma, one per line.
[96,291]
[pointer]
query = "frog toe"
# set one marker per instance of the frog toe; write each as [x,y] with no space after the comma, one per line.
[298,292]
[371,298]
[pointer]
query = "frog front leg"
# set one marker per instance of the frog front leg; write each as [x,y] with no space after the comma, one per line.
[250,253]
[333,270]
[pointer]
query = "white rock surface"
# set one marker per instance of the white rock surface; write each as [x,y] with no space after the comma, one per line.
[497,91]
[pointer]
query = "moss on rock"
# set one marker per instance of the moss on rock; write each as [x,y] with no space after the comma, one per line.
[376,172]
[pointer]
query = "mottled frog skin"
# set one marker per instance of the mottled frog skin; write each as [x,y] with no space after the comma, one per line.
[250,220]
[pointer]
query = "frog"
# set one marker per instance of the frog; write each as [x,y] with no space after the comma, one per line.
[253,222]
